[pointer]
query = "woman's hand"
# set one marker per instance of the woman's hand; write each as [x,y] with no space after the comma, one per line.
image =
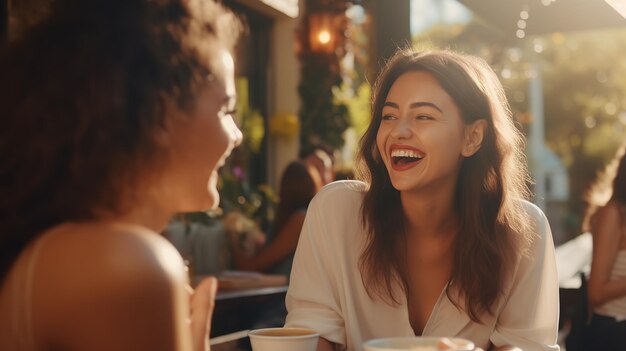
[202,302]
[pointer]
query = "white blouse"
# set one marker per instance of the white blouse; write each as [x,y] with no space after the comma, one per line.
[326,292]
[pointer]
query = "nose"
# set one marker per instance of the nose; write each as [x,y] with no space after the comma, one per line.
[235,134]
[401,129]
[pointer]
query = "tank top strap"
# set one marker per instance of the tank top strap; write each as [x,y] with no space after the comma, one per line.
[22,293]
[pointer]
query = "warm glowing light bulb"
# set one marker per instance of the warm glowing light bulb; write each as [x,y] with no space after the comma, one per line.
[324,37]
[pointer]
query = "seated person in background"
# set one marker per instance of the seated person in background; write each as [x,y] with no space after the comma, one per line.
[298,185]
[116,114]
[439,239]
[320,163]
[607,279]
[297,188]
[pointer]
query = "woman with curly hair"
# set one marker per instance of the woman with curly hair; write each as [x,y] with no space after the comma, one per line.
[116,115]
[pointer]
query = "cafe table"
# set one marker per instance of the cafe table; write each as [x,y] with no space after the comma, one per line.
[241,298]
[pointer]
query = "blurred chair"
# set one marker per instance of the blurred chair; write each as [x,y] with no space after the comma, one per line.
[204,246]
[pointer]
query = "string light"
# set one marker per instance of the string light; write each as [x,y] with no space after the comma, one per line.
[324,37]
[523,14]
[521,23]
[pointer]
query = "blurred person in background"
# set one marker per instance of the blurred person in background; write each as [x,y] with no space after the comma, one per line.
[298,185]
[321,165]
[116,115]
[606,218]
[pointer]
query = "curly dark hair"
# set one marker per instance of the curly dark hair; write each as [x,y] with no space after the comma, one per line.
[83,93]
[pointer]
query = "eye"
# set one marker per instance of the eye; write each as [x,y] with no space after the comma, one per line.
[424,117]
[224,113]
[388,117]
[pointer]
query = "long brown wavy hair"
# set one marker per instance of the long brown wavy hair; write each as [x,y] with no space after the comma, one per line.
[490,185]
[83,95]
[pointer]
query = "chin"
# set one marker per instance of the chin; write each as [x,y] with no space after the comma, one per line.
[401,184]
[212,200]
[198,203]
[211,205]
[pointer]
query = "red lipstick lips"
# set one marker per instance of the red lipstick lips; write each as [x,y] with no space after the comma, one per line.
[404,157]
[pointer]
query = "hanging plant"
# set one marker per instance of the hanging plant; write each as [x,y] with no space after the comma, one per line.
[323,119]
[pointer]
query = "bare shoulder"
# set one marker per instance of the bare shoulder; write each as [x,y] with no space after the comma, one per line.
[610,212]
[110,251]
[97,272]
[607,221]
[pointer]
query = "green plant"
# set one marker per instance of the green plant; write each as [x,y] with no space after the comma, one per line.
[323,119]
[236,195]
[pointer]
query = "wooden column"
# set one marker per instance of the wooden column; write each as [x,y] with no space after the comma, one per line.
[391,29]
[4,20]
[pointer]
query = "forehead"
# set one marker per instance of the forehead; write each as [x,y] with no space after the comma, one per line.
[417,86]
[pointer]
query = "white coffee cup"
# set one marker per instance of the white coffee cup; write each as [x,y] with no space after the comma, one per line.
[418,343]
[284,339]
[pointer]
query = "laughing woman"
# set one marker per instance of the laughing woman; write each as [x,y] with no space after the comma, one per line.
[438,239]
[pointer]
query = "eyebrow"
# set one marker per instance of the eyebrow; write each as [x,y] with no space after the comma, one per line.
[414,105]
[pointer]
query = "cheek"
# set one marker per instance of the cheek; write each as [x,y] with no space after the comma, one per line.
[216,142]
[220,134]
[449,144]
[381,139]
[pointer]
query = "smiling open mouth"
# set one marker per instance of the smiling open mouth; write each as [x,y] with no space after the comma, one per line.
[405,157]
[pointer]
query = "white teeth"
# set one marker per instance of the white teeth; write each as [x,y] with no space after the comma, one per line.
[405,153]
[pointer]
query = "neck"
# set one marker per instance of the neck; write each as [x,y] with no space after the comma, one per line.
[152,218]
[146,211]
[429,215]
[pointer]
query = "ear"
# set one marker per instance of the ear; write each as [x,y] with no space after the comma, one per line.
[167,107]
[473,138]
[161,135]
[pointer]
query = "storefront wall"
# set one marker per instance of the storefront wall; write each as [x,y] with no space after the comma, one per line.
[267,61]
